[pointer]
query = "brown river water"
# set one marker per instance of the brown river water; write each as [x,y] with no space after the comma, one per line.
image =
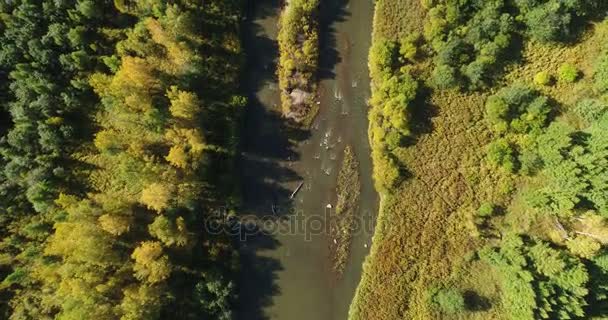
[286,272]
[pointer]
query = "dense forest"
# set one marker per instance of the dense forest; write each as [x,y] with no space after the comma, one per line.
[487,125]
[119,130]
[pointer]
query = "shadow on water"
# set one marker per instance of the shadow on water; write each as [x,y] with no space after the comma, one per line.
[331,12]
[263,145]
[269,145]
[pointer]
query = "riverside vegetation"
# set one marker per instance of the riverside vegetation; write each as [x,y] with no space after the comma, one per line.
[485,125]
[342,225]
[299,59]
[122,133]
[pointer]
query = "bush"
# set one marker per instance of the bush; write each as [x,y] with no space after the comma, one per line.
[600,77]
[517,109]
[568,73]
[590,110]
[449,301]
[550,20]
[444,77]
[486,210]
[501,154]
[543,78]
[470,39]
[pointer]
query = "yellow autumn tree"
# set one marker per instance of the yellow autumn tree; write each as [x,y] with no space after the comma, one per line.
[141,302]
[156,196]
[178,157]
[151,264]
[178,54]
[135,76]
[107,141]
[184,104]
[115,224]
[187,148]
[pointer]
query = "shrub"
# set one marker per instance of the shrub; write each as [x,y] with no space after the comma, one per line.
[444,77]
[543,78]
[382,56]
[550,20]
[590,110]
[568,73]
[486,210]
[600,76]
[501,154]
[469,39]
[449,301]
[517,109]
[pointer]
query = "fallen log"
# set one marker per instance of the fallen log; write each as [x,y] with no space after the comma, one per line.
[293,194]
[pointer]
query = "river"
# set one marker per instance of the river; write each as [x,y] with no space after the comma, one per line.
[288,275]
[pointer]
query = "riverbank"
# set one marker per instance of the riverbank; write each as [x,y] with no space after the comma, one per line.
[422,232]
[299,59]
[451,234]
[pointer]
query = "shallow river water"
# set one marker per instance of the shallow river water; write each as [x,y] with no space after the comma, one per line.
[286,271]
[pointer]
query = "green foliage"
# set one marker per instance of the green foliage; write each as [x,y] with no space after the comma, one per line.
[486,210]
[600,75]
[538,281]
[449,301]
[500,154]
[393,92]
[567,73]
[513,113]
[470,39]
[551,20]
[575,170]
[298,56]
[444,77]
[517,109]
[100,101]
[590,110]
[543,78]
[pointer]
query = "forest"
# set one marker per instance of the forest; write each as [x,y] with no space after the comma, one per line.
[119,133]
[487,125]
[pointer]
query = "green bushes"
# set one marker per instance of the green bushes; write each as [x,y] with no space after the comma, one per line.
[517,109]
[298,58]
[538,281]
[501,154]
[470,40]
[567,73]
[575,170]
[600,75]
[448,301]
[393,92]
[543,78]
[591,110]
[486,210]
[552,20]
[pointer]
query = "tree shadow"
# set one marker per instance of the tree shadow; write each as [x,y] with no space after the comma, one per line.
[331,12]
[257,281]
[475,302]
[422,115]
[267,147]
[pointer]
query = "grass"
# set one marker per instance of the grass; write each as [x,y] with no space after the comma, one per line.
[425,234]
[348,191]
